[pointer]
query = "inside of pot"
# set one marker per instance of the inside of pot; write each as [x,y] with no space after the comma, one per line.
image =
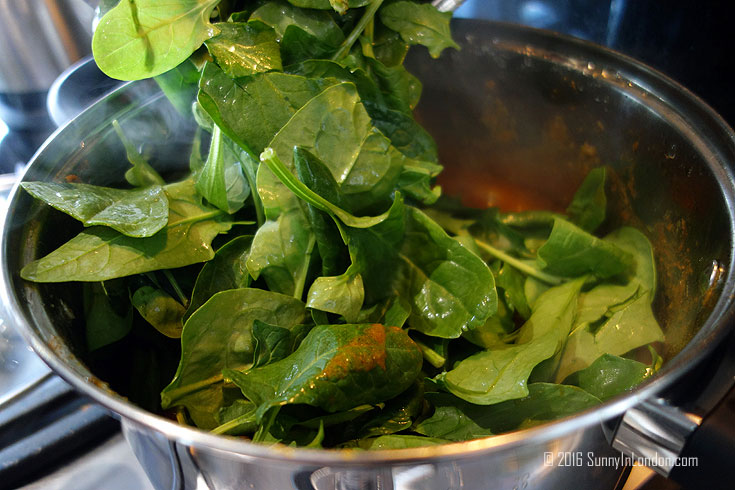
[519,122]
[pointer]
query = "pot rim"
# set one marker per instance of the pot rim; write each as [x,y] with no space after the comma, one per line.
[637,79]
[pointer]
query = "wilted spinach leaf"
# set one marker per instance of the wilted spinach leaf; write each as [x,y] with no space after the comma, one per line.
[615,319]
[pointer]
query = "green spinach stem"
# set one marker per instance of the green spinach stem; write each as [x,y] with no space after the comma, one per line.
[227,426]
[199,217]
[519,264]
[177,289]
[178,393]
[355,34]
[266,426]
[301,281]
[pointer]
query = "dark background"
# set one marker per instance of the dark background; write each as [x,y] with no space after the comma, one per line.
[691,41]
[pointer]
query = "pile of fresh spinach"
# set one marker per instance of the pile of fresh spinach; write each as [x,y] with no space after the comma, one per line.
[323,292]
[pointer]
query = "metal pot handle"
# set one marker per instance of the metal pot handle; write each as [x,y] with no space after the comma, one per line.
[693,447]
[712,447]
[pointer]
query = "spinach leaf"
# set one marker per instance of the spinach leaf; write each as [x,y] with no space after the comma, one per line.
[626,329]
[401,90]
[602,299]
[320,68]
[337,418]
[587,209]
[419,24]
[252,110]
[159,309]
[335,127]
[219,335]
[399,441]
[298,45]
[397,415]
[512,284]
[455,419]
[236,419]
[276,174]
[339,6]
[281,252]
[100,253]
[107,313]
[571,252]
[221,180]
[273,343]
[132,212]
[373,251]
[405,134]
[635,243]
[179,84]
[416,180]
[450,288]
[609,376]
[329,243]
[493,376]
[342,295]
[280,15]
[615,318]
[449,421]
[336,367]
[141,174]
[243,49]
[144,38]
[225,271]
[495,330]
[387,46]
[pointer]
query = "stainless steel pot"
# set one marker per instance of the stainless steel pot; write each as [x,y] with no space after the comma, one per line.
[516,112]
